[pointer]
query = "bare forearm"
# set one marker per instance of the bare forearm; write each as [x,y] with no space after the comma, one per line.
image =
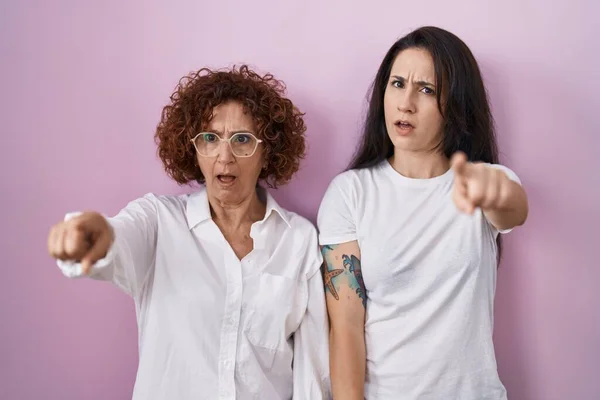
[347,363]
[346,302]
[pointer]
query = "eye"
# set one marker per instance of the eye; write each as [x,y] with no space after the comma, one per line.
[427,90]
[398,84]
[209,137]
[242,138]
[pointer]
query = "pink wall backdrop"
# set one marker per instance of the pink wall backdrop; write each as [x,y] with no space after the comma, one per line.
[81,89]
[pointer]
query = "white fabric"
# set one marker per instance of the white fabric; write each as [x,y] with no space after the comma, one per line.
[430,275]
[212,326]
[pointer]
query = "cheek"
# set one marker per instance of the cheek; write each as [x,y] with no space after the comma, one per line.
[434,118]
[388,107]
[205,166]
[252,167]
[261,162]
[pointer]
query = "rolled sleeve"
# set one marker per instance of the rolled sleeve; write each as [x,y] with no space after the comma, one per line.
[131,255]
[335,219]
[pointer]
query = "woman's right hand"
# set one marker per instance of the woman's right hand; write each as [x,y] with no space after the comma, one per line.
[85,238]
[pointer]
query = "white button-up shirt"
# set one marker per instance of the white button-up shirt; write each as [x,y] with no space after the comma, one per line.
[212,326]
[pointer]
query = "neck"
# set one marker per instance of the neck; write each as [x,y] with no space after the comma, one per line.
[235,214]
[419,165]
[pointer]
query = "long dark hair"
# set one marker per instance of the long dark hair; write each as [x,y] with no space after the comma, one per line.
[469,125]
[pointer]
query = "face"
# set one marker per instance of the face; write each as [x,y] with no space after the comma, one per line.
[231,179]
[412,116]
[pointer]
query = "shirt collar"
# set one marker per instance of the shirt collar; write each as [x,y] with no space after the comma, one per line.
[198,208]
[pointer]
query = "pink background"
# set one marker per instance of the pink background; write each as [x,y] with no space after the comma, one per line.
[82,86]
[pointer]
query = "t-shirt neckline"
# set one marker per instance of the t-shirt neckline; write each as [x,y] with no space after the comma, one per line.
[416,182]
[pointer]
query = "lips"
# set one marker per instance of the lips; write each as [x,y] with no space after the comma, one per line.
[403,124]
[403,127]
[226,179]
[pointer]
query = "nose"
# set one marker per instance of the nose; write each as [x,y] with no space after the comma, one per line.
[406,102]
[225,155]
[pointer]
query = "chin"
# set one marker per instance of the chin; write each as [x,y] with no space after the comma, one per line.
[229,193]
[404,142]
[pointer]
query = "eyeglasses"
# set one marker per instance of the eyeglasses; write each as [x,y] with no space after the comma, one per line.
[242,144]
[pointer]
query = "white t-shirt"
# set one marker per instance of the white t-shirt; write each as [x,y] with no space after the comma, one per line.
[430,275]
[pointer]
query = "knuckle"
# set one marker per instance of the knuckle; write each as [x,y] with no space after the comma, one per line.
[477,193]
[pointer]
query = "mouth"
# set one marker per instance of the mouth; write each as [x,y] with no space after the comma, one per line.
[403,127]
[402,124]
[226,179]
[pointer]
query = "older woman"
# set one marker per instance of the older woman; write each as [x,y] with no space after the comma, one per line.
[226,282]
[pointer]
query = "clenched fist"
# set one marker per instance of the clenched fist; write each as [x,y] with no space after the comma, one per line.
[85,238]
[478,185]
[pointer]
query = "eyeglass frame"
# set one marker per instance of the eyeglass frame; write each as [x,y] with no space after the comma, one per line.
[221,140]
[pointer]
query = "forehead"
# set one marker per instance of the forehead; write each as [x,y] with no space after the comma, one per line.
[415,64]
[231,116]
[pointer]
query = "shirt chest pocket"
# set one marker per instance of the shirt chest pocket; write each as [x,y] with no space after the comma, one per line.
[274,307]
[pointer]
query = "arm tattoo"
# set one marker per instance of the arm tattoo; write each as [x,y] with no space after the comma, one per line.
[352,263]
[351,274]
[329,274]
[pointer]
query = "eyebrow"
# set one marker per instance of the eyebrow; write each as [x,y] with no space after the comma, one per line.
[422,83]
[218,132]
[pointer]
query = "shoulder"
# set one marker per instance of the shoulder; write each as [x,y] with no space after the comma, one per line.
[303,239]
[166,204]
[347,177]
[170,201]
[162,201]
[299,225]
[354,177]
[349,186]
[146,202]
[345,184]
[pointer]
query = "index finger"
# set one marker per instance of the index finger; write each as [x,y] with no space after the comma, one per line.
[96,252]
[458,162]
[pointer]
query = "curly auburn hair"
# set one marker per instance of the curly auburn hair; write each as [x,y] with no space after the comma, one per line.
[280,124]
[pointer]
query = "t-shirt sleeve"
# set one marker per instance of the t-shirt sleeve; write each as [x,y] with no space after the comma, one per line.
[336,217]
[513,177]
[509,172]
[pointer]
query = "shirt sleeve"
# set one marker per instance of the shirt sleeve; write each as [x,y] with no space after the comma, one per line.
[513,177]
[311,340]
[130,258]
[336,217]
